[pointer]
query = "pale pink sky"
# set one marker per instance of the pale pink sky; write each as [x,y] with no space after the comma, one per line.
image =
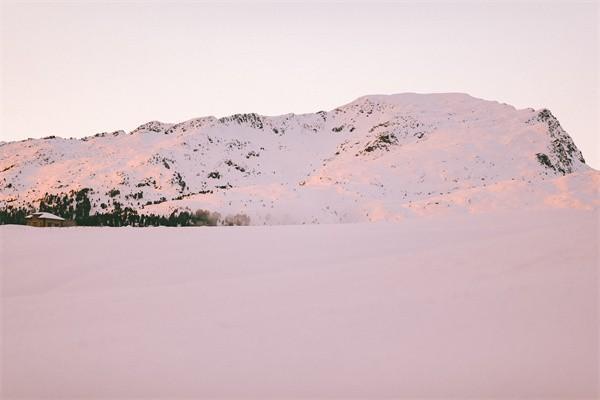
[74,68]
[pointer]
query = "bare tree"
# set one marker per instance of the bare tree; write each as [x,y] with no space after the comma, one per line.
[205,217]
[237,219]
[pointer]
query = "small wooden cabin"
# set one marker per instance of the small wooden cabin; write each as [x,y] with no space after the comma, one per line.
[44,219]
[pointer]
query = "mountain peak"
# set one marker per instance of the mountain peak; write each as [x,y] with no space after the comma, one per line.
[380,157]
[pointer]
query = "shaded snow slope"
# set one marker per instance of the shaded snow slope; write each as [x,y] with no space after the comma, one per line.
[378,157]
[502,305]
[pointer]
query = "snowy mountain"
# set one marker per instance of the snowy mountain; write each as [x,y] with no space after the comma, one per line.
[380,157]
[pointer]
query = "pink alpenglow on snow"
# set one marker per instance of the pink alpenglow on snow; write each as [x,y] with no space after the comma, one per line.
[502,305]
[378,158]
[421,246]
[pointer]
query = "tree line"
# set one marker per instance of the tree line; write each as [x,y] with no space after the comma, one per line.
[76,206]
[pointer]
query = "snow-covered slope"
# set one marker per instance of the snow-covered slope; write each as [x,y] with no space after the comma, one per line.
[378,158]
[496,306]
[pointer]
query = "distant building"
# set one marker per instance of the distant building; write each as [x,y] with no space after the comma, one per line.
[45,219]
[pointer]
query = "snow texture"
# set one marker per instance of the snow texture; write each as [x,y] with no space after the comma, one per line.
[501,305]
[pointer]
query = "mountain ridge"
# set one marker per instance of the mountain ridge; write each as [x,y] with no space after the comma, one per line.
[379,157]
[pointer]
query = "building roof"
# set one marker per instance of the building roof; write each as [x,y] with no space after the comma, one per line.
[45,215]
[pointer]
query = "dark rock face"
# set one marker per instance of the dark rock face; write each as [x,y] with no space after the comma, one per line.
[252,120]
[562,150]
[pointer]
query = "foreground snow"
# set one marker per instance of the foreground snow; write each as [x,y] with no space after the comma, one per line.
[501,305]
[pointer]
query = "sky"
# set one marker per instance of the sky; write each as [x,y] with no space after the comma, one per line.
[75,68]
